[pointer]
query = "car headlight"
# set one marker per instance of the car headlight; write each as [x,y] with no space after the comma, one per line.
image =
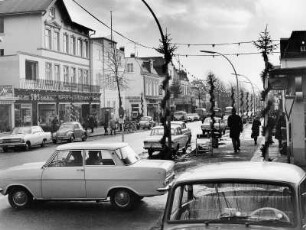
[22,140]
[1,141]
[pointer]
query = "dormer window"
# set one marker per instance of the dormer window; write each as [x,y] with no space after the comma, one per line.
[52,12]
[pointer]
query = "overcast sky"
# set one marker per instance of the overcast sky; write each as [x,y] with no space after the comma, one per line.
[199,22]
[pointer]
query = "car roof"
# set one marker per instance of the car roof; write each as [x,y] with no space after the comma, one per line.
[92,145]
[248,170]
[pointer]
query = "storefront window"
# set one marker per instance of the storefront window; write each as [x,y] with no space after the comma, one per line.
[23,114]
[5,118]
[46,113]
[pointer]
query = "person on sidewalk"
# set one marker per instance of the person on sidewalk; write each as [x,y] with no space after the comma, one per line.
[281,122]
[112,125]
[235,125]
[255,129]
[91,123]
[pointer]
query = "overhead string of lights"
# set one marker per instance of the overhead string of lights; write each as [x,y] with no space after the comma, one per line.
[217,44]
[120,34]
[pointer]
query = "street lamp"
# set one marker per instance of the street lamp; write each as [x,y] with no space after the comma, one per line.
[250,82]
[237,94]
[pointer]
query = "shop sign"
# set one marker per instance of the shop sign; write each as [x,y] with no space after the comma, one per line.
[6,91]
[37,95]
[278,83]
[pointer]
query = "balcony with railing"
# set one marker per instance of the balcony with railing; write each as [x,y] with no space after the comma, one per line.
[44,84]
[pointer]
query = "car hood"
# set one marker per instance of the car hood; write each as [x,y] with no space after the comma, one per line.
[26,171]
[167,165]
[221,227]
[11,136]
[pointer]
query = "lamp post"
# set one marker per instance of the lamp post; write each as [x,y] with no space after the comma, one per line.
[237,86]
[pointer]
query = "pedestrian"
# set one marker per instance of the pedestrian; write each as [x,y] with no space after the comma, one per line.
[255,129]
[54,125]
[106,124]
[281,122]
[91,123]
[235,125]
[112,125]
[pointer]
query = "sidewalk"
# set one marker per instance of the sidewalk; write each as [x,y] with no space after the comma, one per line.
[273,151]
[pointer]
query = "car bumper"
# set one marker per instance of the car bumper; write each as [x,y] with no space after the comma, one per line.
[12,145]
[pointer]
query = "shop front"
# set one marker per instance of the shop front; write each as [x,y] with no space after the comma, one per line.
[6,108]
[40,107]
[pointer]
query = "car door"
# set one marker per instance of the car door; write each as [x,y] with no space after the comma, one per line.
[62,179]
[35,136]
[102,174]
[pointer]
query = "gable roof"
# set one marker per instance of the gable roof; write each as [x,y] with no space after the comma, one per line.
[158,63]
[15,7]
[10,7]
[291,47]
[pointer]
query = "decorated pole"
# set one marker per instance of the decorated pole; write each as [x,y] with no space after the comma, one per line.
[167,50]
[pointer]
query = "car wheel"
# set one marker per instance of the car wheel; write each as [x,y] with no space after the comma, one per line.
[43,143]
[123,199]
[27,146]
[5,149]
[84,138]
[20,198]
[71,139]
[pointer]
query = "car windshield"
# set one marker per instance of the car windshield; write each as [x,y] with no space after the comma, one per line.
[127,155]
[234,203]
[66,126]
[21,130]
[160,131]
[145,119]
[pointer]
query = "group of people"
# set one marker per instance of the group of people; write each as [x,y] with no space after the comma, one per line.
[236,127]
[112,124]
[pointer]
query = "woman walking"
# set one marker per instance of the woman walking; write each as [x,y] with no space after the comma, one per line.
[255,129]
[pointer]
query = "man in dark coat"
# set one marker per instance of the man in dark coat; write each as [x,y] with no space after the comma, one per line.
[235,125]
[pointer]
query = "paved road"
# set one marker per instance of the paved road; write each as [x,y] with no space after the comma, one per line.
[91,215]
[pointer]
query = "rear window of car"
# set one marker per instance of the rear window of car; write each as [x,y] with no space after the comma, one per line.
[264,204]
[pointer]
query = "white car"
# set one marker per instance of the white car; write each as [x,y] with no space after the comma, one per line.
[25,137]
[237,195]
[85,172]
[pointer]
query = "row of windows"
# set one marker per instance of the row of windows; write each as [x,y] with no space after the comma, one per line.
[69,44]
[152,88]
[53,72]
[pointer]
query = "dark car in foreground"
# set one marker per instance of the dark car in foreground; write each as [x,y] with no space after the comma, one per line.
[238,195]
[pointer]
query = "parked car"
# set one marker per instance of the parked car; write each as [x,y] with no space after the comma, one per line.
[219,126]
[179,140]
[87,172]
[180,116]
[184,128]
[237,195]
[192,117]
[70,131]
[25,137]
[146,122]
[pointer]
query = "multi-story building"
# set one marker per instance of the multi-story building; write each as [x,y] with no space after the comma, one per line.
[45,62]
[108,62]
[291,78]
[144,94]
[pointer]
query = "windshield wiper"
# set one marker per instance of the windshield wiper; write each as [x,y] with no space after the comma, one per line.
[272,222]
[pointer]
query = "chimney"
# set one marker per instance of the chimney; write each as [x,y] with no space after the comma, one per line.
[132,55]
